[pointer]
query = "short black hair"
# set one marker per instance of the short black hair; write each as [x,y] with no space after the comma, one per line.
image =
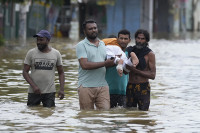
[112,36]
[142,31]
[124,32]
[86,22]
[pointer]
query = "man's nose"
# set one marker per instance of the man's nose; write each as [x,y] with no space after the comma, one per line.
[94,29]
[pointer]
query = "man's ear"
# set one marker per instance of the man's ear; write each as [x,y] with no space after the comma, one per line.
[84,32]
[129,40]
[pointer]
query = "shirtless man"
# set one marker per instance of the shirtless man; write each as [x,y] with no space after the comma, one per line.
[138,88]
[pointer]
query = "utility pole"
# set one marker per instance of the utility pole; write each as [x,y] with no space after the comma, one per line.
[24,7]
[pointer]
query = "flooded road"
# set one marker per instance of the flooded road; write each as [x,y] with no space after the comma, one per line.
[174,94]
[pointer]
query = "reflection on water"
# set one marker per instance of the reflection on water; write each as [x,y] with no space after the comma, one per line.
[174,97]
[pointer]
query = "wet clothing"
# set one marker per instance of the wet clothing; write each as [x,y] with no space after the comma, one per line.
[92,86]
[138,94]
[47,99]
[94,77]
[117,100]
[43,67]
[140,53]
[117,85]
[98,96]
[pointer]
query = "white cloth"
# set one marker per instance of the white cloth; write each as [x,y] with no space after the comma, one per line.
[128,62]
[115,51]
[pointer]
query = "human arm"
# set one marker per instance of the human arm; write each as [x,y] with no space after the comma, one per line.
[61,75]
[150,73]
[127,62]
[120,67]
[27,77]
[87,65]
[83,54]
[134,59]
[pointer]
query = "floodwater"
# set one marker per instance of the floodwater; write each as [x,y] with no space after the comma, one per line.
[174,94]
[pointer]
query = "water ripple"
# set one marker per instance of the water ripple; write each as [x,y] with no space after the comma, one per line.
[174,96]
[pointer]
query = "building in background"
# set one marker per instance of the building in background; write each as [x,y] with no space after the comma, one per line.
[162,18]
[22,20]
[114,15]
[56,19]
[175,18]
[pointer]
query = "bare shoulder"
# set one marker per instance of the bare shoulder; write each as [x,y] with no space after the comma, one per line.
[151,54]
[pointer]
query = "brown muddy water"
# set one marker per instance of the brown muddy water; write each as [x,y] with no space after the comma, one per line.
[175,94]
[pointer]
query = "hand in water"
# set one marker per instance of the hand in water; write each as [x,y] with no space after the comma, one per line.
[61,94]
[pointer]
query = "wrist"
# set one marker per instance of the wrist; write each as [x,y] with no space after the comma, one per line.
[127,70]
[62,89]
[119,67]
[117,59]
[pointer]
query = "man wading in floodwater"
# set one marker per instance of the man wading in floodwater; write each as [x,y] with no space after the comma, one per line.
[138,88]
[93,89]
[43,61]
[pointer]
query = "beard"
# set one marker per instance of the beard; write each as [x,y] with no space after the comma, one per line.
[140,45]
[92,36]
[123,45]
[41,47]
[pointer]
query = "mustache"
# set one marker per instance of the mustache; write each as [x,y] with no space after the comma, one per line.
[41,47]
[140,45]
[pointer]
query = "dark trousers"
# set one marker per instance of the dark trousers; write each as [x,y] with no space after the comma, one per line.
[138,94]
[117,100]
[47,99]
